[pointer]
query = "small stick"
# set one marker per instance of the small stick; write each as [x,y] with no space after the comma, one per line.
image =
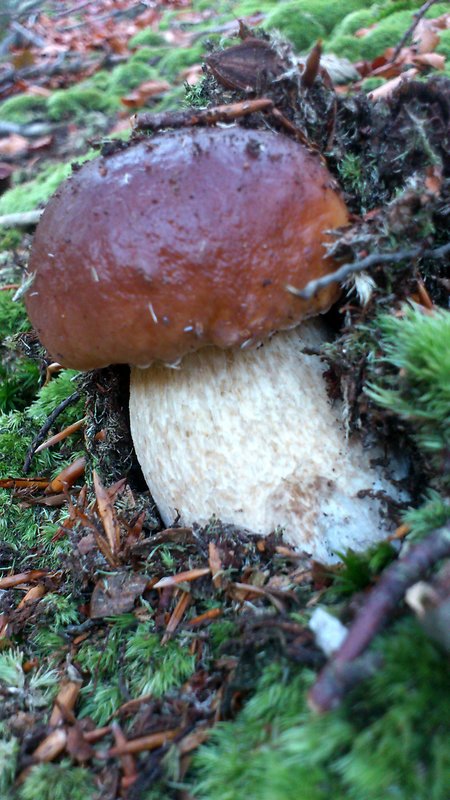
[191,117]
[58,437]
[46,427]
[359,266]
[416,19]
[384,598]
[21,218]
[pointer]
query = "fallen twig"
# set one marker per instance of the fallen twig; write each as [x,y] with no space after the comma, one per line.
[373,260]
[416,19]
[333,681]
[46,427]
[21,218]
[191,117]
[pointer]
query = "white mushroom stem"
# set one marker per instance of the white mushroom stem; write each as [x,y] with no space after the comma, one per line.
[251,437]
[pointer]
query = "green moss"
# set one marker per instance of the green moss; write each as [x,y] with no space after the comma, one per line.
[432,514]
[356,20]
[387,33]
[444,44]
[369,84]
[33,194]
[9,752]
[177,60]
[301,28]
[23,108]
[167,20]
[127,76]
[305,21]
[416,383]
[146,38]
[148,667]
[387,741]
[75,102]
[10,238]
[58,782]
[13,316]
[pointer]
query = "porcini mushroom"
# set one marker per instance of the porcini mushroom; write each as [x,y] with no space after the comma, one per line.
[176,252]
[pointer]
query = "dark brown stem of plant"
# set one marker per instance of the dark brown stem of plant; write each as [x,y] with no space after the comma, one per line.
[333,681]
[191,117]
[416,19]
[373,260]
[40,436]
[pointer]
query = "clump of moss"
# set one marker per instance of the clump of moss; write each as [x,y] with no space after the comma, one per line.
[387,33]
[415,383]
[23,108]
[127,76]
[148,667]
[351,23]
[58,782]
[444,44]
[146,38]
[369,84]
[387,740]
[33,194]
[75,102]
[18,376]
[10,238]
[433,513]
[179,59]
[303,22]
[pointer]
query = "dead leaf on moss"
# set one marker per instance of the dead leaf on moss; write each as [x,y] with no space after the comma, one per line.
[116,593]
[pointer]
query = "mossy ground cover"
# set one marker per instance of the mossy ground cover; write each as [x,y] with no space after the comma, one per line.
[239,660]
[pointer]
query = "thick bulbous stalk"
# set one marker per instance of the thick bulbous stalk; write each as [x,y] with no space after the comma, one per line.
[251,437]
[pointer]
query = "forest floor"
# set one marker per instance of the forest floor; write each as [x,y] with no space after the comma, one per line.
[142,662]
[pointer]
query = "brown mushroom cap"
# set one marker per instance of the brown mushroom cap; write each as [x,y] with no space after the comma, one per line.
[186,240]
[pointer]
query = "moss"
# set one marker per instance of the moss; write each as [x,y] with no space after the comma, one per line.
[369,84]
[302,30]
[387,33]
[416,382]
[433,513]
[146,38]
[75,102]
[356,20]
[179,59]
[127,76]
[305,21]
[10,238]
[444,44]
[58,782]
[23,108]
[387,740]
[148,667]
[167,20]
[34,194]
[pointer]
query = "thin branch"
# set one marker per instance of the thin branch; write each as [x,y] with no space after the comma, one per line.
[21,219]
[382,601]
[416,19]
[373,260]
[46,427]
[191,117]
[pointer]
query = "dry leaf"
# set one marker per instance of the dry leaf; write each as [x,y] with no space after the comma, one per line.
[182,577]
[388,88]
[116,593]
[13,145]
[425,37]
[107,514]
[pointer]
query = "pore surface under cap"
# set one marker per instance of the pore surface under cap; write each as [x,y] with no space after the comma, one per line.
[186,240]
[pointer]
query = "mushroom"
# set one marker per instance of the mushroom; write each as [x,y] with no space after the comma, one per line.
[173,255]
